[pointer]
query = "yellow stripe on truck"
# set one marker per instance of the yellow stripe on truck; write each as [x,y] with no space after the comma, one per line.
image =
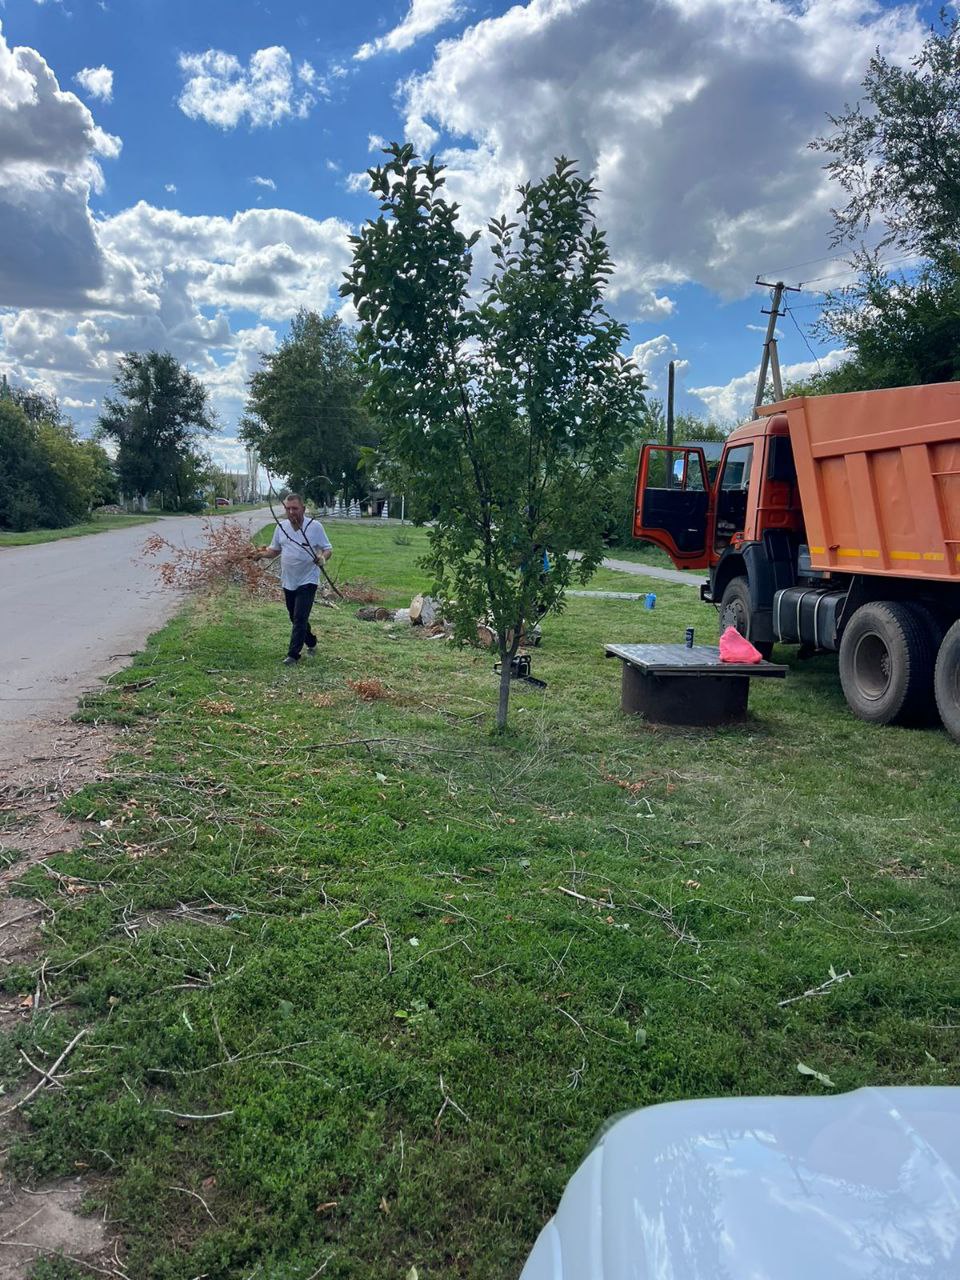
[868,553]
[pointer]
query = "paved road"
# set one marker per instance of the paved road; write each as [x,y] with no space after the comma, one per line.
[73,611]
[649,571]
[654,571]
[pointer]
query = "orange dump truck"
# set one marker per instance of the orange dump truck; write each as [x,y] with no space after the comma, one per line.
[831,522]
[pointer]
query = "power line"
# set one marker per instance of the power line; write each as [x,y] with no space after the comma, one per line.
[853,271]
[789,311]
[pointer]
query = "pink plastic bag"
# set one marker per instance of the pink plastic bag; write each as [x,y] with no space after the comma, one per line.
[736,648]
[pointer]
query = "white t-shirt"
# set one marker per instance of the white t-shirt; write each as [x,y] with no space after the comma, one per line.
[297,565]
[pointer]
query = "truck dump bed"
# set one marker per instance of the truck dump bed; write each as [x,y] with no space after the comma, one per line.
[879,479]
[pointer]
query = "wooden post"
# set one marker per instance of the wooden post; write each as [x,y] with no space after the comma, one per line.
[770,359]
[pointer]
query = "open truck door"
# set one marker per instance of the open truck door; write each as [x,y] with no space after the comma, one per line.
[672,506]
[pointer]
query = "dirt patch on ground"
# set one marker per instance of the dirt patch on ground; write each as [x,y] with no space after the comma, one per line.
[59,758]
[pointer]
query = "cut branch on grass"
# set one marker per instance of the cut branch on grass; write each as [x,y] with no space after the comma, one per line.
[834,980]
[448,1102]
[196,1195]
[48,1076]
[186,1115]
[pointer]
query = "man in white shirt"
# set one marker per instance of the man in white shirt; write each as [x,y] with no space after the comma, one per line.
[302,545]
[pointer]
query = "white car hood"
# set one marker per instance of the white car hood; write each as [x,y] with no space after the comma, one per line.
[859,1186]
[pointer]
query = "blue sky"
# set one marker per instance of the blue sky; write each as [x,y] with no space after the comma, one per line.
[184,175]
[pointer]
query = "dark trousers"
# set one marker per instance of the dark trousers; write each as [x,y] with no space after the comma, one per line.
[299,604]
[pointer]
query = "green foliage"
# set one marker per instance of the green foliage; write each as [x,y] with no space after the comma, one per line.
[901,331]
[305,414]
[58,1269]
[896,153]
[48,478]
[157,419]
[504,417]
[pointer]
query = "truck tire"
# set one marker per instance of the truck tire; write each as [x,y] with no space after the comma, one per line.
[736,611]
[886,663]
[946,681]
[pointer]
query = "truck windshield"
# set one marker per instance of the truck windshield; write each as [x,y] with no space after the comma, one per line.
[732,494]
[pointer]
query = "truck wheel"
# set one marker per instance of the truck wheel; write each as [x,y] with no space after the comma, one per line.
[736,611]
[886,663]
[946,681]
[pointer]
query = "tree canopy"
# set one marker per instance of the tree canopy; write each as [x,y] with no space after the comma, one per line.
[158,418]
[48,478]
[305,413]
[504,414]
[896,155]
[896,152]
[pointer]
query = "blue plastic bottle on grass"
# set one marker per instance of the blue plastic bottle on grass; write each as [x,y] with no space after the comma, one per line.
[649,600]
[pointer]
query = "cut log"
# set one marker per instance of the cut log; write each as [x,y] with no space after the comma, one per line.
[374,613]
[423,611]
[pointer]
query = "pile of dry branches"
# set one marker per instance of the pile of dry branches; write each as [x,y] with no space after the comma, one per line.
[224,557]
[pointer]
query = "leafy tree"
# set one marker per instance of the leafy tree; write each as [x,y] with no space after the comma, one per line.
[305,414]
[503,416]
[157,418]
[896,153]
[48,478]
[900,331]
[103,477]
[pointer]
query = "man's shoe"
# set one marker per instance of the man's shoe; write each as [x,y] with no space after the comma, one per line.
[311,651]
[290,661]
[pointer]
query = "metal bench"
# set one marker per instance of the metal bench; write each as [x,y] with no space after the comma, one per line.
[671,684]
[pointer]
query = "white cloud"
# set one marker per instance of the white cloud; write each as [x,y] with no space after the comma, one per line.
[221,91]
[97,81]
[694,114]
[264,182]
[173,282]
[733,402]
[653,358]
[423,17]
[50,148]
[76,292]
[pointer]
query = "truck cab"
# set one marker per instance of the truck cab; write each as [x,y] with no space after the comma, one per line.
[745,525]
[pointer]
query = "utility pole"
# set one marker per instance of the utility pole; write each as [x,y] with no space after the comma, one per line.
[671,375]
[770,360]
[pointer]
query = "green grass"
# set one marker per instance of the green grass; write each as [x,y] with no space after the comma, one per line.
[99,524]
[345,924]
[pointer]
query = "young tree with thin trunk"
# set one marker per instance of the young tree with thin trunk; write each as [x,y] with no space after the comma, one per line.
[503,415]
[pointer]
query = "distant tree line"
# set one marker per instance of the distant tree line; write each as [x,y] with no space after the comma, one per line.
[49,477]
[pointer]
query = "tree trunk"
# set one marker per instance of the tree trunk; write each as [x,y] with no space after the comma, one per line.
[506,662]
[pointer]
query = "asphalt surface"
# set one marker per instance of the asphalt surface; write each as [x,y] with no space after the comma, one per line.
[650,571]
[74,611]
